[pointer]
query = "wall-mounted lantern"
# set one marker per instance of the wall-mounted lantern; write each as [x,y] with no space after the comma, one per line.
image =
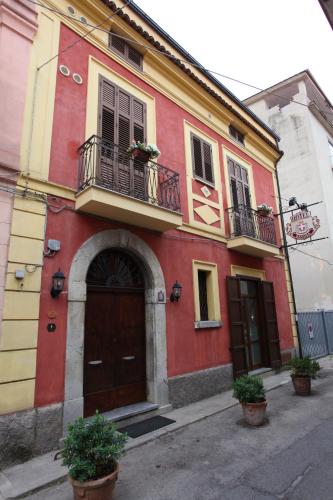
[176,292]
[58,280]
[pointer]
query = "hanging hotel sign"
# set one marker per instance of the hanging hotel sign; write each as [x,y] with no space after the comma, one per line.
[302,225]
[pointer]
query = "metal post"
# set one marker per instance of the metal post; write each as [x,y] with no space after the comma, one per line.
[288,260]
[325,331]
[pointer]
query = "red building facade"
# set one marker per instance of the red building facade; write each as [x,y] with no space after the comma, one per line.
[130,229]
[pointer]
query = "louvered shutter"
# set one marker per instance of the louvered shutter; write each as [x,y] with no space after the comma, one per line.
[107,103]
[236,326]
[270,321]
[117,43]
[122,120]
[141,177]
[197,157]
[241,200]
[124,185]
[208,164]
[202,159]
[134,56]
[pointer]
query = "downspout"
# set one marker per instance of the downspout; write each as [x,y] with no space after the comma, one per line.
[285,248]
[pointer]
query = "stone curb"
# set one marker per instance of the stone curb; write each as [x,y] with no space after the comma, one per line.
[57,474]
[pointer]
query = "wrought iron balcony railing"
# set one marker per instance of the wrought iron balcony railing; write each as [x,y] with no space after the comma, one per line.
[109,166]
[245,221]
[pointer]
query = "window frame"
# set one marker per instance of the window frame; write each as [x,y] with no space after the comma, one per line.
[237,135]
[127,47]
[213,300]
[195,175]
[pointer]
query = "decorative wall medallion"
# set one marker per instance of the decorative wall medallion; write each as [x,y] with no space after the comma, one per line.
[302,225]
[206,191]
[64,70]
[77,78]
[207,214]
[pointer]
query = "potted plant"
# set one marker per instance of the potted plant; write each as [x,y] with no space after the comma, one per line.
[250,392]
[264,210]
[302,371]
[143,152]
[91,452]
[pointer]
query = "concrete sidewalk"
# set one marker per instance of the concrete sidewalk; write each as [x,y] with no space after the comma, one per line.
[22,480]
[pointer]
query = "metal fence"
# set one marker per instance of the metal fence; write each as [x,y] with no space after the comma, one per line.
[316,333]
[244,221]
[111,167]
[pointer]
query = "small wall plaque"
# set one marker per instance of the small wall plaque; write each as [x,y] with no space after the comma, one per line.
[160,296]
[206,191]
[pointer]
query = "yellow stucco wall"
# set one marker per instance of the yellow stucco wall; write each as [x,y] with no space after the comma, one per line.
[18,342]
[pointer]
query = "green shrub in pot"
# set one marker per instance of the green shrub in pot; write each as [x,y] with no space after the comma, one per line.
[91,452]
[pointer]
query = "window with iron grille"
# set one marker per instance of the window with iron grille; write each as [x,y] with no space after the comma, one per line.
[203,297]
[125,50]
[206,294]
[202,159]
[236,134]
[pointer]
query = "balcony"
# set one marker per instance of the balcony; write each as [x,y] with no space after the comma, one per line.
[115,185]
[251,233]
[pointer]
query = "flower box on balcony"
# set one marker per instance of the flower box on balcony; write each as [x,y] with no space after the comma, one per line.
[143,156]
[264,210]
[143,152]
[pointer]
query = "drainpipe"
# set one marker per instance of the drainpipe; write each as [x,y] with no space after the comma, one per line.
[285,248]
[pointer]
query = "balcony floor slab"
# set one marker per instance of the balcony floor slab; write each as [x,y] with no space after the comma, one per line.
[111,205]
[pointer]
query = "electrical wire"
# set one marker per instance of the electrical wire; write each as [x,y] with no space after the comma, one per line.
[83,36]
[313,256]
[169,56]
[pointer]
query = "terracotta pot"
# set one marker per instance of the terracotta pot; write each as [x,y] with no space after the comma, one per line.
[255,413]
[100,489]
[141,155]
[302,385]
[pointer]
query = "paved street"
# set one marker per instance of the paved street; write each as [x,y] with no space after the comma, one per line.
[291,457]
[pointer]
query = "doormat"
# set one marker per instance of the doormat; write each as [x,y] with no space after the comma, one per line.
[146,426]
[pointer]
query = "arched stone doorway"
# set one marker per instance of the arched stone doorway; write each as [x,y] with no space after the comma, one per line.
[114,372]
[155,325]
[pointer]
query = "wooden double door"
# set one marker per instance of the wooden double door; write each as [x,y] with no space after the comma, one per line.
[253,325]
[114,346]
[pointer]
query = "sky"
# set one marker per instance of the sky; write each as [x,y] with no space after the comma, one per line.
[260,42]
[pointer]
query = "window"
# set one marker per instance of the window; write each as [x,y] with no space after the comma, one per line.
[330,148]
[122,116]
[122,119]
[206,295]
[239,185]
[236,134]
[125,50]
[202,159]
[203,298]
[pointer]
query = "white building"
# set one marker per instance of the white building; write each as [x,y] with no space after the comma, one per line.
[300,113]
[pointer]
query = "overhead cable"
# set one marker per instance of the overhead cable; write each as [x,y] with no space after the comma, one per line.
[153,49]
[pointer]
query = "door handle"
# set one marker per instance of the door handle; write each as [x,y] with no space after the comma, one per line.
[95,363]
[128,358]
